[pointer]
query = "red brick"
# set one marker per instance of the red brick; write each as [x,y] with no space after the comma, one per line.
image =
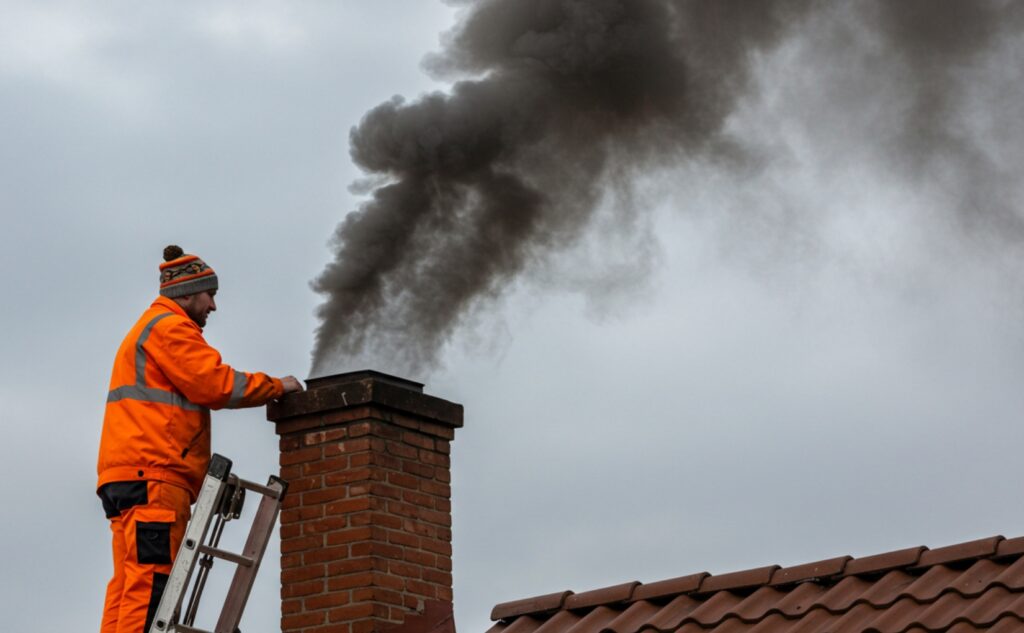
[387,596]
[385,550]
[294,470]
[298,589]
[418,498]
[418,440]
[443,475]
[388,431]
[290,606]
[302,484]
[435,517]
[384,490]
[444,563]
[443,446]
[424,589]
[348,536]
[299,456]
[326,524]
[300,620]
[361,459]
[436,459]
[294,515]
[350,581]
[347,476]
[366,626]
[418,527]
[405,570]
[386,520]
[313,437]
[423,470]
[436,488]
[403,538]
[323,495]
[300,544]
[339,416]
[405,480]
[327,600]
[325,554]
[389,581]
[355,446]
[437,577]
[444,593]
[385,461]
[289,443]
[350,565]
[308,572]
[401,508]
[438,547]
[419,557]
[328,465]
[290,560]
[346,506]
[443,505]
[360,428]
[292,530]
[341,627]
[401,450]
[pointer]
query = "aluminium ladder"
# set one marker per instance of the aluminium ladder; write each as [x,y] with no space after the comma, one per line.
[220,500]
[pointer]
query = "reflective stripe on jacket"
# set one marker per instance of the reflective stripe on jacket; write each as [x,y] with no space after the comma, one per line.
[166,378]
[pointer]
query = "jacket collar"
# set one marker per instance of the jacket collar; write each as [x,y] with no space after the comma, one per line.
[169,304]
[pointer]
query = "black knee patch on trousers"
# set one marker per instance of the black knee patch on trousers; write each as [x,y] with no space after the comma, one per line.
[153,543]
[159,582]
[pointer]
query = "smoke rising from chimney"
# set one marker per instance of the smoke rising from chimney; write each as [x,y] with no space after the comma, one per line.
[475,184]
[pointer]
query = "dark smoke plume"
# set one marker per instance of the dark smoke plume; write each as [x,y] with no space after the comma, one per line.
[566,96]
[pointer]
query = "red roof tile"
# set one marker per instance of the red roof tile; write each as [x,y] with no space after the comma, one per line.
[963,588]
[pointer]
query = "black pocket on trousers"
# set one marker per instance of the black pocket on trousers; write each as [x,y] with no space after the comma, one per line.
[153,542]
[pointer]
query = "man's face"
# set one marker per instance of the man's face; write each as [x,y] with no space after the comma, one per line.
[199,306]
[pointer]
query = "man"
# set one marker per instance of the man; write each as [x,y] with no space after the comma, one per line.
[155,446]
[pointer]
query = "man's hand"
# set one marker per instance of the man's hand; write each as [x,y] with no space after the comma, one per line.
[292,384]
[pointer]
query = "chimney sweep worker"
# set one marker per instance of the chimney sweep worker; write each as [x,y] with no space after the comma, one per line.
[155,445]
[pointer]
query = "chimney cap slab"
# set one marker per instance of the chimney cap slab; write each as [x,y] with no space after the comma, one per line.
[360,388]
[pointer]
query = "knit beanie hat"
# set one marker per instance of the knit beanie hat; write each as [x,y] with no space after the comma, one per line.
[182,275]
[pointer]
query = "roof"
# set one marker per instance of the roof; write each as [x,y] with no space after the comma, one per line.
[960,588]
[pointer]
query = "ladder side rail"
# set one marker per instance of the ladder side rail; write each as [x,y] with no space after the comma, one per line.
[255,546]
[184,563]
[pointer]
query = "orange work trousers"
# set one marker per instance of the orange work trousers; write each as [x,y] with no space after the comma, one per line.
[148,520]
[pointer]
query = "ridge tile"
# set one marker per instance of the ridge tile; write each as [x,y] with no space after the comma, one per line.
[884,562]
[547,603]
[981,548]
[738,579]
[669,588]
[807,571]
[605,595]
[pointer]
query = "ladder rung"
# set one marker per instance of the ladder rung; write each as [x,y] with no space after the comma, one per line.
[255,487]
[238,559]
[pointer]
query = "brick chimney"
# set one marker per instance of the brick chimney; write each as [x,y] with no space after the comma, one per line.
[366,524]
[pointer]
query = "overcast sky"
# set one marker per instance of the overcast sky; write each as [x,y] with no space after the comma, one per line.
[816,355]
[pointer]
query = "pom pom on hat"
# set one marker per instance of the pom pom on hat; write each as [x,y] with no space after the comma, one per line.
[182,275]
[172,252]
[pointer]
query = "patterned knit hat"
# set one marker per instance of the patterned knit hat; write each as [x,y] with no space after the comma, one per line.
[182,275]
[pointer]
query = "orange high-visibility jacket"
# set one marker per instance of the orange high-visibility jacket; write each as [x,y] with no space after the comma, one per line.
[166,378]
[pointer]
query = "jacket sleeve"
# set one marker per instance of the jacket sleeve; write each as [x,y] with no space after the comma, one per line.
[197,371]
